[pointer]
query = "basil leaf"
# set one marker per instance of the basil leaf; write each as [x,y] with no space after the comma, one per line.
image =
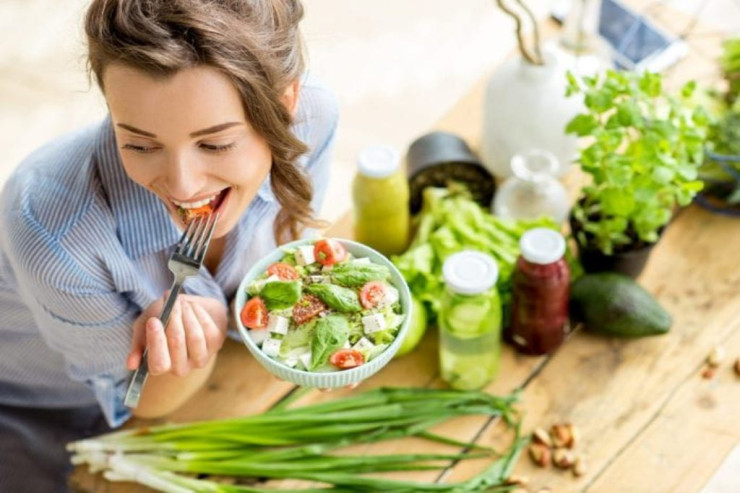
[354,274]
[279,295]
[331,333]
[336,297]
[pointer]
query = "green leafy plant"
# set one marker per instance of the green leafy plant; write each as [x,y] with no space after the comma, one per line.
[730,63]
[642,150]
[721,169]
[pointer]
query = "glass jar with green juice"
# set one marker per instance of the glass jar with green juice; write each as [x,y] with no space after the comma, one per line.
[470,321]
[380,193]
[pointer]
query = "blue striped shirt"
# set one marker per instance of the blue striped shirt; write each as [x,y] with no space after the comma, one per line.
[84,250]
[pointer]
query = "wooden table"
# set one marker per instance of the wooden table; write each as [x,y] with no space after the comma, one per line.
[648,420]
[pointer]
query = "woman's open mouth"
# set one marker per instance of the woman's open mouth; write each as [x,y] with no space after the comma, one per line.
[190,210]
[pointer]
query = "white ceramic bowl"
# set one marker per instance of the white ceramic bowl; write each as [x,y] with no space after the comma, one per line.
[325,379]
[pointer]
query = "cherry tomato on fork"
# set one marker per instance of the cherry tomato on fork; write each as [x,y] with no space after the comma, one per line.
[254,314]
[329,252]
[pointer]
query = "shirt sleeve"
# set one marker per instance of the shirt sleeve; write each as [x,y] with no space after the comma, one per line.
[76,307]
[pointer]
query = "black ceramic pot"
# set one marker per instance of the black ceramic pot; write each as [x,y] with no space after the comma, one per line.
[630,262]
[438,158]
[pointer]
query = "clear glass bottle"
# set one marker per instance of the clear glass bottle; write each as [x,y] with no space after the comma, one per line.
[587,53]
[469,321]
[540,292]
[380,193]
[533,191]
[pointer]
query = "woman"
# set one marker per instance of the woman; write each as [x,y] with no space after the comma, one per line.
[208,105]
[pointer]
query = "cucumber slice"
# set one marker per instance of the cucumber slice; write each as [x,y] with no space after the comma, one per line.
[466,319]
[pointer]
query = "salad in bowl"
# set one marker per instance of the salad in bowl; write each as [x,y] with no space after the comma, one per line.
[323,313]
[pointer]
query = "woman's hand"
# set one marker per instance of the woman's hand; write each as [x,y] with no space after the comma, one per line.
[196,331]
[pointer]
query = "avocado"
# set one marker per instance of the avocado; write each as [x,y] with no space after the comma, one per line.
[615,305]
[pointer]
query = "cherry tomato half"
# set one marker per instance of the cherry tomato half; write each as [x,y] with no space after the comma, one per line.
[372,294]
[188,215]
[307,308]
[285,272]
[329,252]
[346,358]
[254,314]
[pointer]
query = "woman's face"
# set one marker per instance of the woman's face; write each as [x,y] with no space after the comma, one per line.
[186,138]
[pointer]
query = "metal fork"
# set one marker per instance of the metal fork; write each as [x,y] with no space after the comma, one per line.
[184,262]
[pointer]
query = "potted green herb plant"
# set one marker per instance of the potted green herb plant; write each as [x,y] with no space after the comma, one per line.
[721,170]
[642,148]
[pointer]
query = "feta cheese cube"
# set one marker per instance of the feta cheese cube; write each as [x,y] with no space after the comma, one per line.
[271,347]
[291,362]
[304,255]
[363,344]
[373,323]
[277,324]
[361,260]
[390,296]
[258,335]
[305,360]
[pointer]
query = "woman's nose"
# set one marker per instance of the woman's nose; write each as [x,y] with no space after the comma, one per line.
[182,176]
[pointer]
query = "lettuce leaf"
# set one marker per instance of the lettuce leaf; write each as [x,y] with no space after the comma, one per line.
[449,222]
[355,274]
[331,333]
[336,297]
[279,295]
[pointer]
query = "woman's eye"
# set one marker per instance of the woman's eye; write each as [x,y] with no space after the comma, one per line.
[216,147]
[140,149]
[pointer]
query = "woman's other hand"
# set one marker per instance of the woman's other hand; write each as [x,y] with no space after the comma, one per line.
[196,331]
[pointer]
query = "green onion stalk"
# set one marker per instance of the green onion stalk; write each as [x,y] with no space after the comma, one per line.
[305,443]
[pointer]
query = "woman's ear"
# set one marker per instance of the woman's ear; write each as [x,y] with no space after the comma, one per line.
[290,96]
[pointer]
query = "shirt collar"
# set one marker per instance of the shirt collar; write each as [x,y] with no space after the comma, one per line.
[142,222]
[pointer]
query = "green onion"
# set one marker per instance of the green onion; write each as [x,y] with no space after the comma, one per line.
[305,443]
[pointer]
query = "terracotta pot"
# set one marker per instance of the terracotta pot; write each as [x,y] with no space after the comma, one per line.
[629,262]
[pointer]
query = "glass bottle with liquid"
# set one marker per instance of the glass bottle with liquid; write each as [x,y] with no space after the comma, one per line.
[540,292]
[380,194]
[469,321]
[533,191]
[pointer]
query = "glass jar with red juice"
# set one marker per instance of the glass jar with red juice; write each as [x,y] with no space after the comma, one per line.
[540,290]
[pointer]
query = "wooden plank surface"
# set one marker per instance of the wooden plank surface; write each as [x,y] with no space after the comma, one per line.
[648,420]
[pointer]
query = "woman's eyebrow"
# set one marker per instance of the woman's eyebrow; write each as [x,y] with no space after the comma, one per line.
[198,133]
[135,130]
[214,129]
